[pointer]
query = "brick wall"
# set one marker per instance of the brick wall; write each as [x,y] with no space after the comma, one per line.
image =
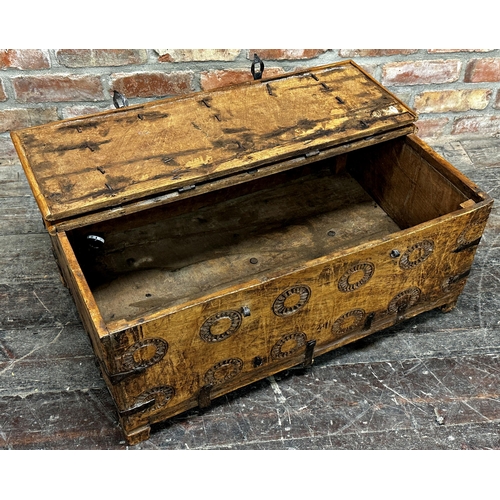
[455,91]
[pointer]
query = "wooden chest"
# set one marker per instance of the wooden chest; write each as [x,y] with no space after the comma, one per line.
[214,239]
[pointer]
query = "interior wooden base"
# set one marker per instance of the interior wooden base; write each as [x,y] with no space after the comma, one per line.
[270,231]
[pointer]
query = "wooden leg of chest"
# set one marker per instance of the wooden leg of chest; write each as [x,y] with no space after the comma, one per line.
[446,308]
[137,435]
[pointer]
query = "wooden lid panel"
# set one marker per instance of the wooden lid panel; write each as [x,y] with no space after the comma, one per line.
[107,159]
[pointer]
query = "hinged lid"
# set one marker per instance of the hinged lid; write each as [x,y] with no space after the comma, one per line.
[108,159]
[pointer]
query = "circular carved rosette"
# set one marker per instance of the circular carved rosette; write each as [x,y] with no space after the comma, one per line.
[348,322]
[144,353]
[356,277]
[161,395]
[291,300]
[220,326]
[404,300]
[288,345]
[223,371]
[416,254]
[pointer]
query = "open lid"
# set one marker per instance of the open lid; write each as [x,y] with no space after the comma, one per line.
[108,159]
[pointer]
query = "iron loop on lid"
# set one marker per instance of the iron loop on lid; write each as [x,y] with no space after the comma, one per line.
[257,74]
[119,100]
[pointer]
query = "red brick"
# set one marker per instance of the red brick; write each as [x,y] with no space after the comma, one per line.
[12,119]
[478,125]
[3,95]
[58,88]
[432,127]
[223,78]
[421,72]
[375,52]
[188,55]
[285,54]
[483,70]
[452,100]
[23,59]
[153,84]
[79,58]
[81,110]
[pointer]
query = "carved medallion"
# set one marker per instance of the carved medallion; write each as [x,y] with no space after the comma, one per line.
[416,254]
[220,326]
[161,395]
[223,371]
[404,300]
[288,345]
[356,277]
[291,300]
[348,322]
[144,353]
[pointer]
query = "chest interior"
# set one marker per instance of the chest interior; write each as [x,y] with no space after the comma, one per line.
[267,227]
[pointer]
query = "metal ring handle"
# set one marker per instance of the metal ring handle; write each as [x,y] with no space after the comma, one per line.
[95,242]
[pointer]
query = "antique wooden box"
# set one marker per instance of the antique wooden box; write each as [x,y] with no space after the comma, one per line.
[214,239]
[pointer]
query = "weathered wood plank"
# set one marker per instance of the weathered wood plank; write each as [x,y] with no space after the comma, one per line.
[25,375]
[77,166]
[81,419]
[34,304]
[38,343]
[450,403]
[370,405]
[26,258]
[471,437]
[20,215]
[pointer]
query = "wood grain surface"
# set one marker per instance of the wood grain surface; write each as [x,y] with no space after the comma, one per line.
[430,382]
[105,160]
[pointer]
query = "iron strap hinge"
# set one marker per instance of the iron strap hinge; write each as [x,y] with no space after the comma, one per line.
[186,188]
[116,378]
[308,356]
[137,408]
[312,153]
